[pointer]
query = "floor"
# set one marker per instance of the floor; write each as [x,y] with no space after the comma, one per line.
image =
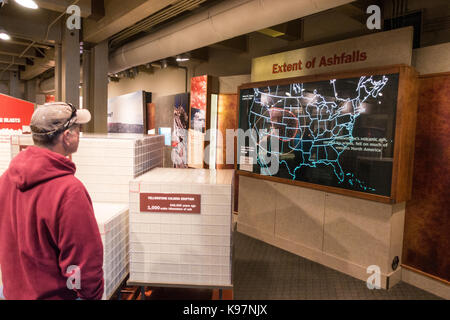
[262,271]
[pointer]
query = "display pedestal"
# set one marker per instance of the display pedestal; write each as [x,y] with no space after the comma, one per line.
[170,246]
[112,222]
[344,233]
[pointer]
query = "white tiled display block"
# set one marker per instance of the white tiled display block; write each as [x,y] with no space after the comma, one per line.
[183,248]
[106,163]
[112,219]
[5,152]
[19,141]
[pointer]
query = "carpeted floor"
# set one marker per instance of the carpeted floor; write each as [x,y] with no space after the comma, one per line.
[262,271]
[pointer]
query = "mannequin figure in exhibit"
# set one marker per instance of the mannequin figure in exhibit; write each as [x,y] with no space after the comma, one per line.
[50,244]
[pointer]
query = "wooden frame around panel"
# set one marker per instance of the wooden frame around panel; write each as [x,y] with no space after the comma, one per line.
[405,126]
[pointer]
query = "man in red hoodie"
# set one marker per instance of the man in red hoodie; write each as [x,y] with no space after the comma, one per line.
[50,244]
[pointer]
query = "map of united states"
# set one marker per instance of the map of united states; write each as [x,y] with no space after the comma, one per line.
[313,128]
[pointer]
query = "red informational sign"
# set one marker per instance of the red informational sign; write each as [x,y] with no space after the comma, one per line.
[15,113]
[170,203]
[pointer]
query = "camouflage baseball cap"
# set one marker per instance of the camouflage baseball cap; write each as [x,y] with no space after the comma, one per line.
[57,116]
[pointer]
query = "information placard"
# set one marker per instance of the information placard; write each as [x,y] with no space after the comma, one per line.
[170,203]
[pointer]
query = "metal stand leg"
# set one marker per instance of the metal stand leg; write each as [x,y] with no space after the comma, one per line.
[142,293]
[119,294]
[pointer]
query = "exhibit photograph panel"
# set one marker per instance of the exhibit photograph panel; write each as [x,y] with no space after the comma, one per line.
[180,130]
[128,113]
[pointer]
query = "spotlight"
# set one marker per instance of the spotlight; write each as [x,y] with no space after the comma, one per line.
[182,57]
[164,63]
[4,35]
[28,4]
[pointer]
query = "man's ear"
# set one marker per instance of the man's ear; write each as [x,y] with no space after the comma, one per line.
[65,137]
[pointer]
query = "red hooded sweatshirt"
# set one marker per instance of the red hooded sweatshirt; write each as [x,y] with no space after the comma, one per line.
[50,245]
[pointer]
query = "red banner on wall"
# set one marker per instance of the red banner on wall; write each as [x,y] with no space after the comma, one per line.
[15,113]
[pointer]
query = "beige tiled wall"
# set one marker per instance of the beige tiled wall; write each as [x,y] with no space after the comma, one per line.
[357,230]
[299,215]
[259,203]
[344,233]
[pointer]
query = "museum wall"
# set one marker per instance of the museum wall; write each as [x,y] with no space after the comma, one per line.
[222,62]
[161,82]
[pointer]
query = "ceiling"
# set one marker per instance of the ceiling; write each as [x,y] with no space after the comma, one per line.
[31,49]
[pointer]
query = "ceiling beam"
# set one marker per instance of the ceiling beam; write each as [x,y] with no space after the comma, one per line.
[119,17]
[26,44]
[98,10]
[40,66]
[3,66]
[62,5]
[291,31]
[13,60]
[237,44]
[35,30]
[14,54]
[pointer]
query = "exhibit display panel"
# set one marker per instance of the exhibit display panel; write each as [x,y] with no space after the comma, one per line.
[200,118]
[129,113]
[180,130]
[226,120]
[112,220]
[106,163]
[350,133]
[181,227]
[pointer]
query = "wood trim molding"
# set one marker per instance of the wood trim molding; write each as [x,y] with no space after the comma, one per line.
[426,274]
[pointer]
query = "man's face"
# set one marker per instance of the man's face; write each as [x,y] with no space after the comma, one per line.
[73,139]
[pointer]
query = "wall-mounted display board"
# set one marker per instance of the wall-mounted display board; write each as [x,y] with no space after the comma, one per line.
[350,133]
[128,113]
